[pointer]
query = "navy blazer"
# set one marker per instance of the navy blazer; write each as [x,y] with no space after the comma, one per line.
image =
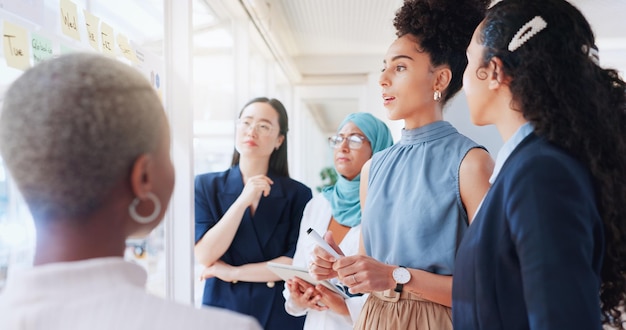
[531,258]
[271,233]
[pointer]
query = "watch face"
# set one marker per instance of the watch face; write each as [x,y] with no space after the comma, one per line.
[401,275]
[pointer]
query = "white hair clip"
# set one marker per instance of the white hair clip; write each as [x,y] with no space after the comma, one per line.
[593,54]
[526,32]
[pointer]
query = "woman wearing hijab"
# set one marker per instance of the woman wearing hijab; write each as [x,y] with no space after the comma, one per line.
[338,210]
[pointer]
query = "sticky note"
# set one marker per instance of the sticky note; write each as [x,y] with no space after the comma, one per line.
[65,49]
[91,21]
[125,48]
[108,39]
[69,19]
[15,42]
[42,47]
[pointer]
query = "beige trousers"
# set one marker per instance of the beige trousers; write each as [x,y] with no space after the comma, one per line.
[392,311]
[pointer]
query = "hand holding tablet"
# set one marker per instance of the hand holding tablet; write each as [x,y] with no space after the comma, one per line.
[286,272]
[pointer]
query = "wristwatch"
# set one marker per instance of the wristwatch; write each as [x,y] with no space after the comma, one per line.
[402,276]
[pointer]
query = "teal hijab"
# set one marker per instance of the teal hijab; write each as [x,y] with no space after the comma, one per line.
[344,195]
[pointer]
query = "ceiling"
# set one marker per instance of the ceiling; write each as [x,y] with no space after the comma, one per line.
[344,41]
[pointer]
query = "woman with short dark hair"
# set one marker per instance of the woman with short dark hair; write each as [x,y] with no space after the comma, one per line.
[87,142]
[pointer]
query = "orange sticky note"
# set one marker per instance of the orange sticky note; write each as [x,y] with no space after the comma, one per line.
[16,51]
[108,39]
[69,19]
[91,21]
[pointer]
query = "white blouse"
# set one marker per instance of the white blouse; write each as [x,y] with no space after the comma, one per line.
[317,214]
[103,293]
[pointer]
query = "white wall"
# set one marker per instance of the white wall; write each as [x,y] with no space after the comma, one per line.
[456,112]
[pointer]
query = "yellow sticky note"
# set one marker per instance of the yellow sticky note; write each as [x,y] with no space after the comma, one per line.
[91,22]
[108,39]
[69,19]
[127,51]
[15,43]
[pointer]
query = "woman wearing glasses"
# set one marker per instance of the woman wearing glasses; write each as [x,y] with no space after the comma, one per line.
[338,210]
[249,215]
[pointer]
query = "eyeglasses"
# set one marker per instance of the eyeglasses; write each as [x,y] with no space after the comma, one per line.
[260,128]
[355,141]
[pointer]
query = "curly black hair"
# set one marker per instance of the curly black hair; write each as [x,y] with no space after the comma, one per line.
[443,29]
[574,103]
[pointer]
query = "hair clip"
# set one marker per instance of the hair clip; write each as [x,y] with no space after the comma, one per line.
[526,32]
[593,54]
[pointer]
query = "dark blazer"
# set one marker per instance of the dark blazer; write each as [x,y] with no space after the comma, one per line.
[531,258]
[271,233]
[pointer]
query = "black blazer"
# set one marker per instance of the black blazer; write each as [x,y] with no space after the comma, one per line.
[531,259]
[271,233]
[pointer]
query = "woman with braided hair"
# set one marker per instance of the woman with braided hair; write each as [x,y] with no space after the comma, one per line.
[547,248]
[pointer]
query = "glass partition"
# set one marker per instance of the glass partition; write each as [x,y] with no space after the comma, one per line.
[128,30]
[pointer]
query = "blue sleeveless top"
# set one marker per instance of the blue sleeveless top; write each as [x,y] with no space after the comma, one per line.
[413,212]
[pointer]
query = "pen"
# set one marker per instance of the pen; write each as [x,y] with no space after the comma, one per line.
[321,242]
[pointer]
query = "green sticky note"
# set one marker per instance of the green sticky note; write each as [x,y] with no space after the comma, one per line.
[67,50]
[42,47]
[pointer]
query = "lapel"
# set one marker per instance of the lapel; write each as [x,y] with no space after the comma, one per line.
[270,212]
[258,230]
[233,186]
[530,139]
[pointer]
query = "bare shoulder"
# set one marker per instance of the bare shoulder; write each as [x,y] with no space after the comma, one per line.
[477,161]
[476,168]
[365,174]
[366,167]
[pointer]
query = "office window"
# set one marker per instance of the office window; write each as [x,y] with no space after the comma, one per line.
[134,30]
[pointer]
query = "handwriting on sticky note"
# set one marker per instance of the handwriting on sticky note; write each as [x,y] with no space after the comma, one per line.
[127,51]
[42,48]
[106,34]
[69,21]
[91,22]
[15,42]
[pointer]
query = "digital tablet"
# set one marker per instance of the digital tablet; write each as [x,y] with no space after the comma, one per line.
[287,272]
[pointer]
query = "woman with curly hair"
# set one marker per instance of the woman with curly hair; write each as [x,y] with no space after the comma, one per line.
[420,194]
[547,249]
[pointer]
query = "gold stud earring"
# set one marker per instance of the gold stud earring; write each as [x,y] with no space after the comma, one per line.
[437,96]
